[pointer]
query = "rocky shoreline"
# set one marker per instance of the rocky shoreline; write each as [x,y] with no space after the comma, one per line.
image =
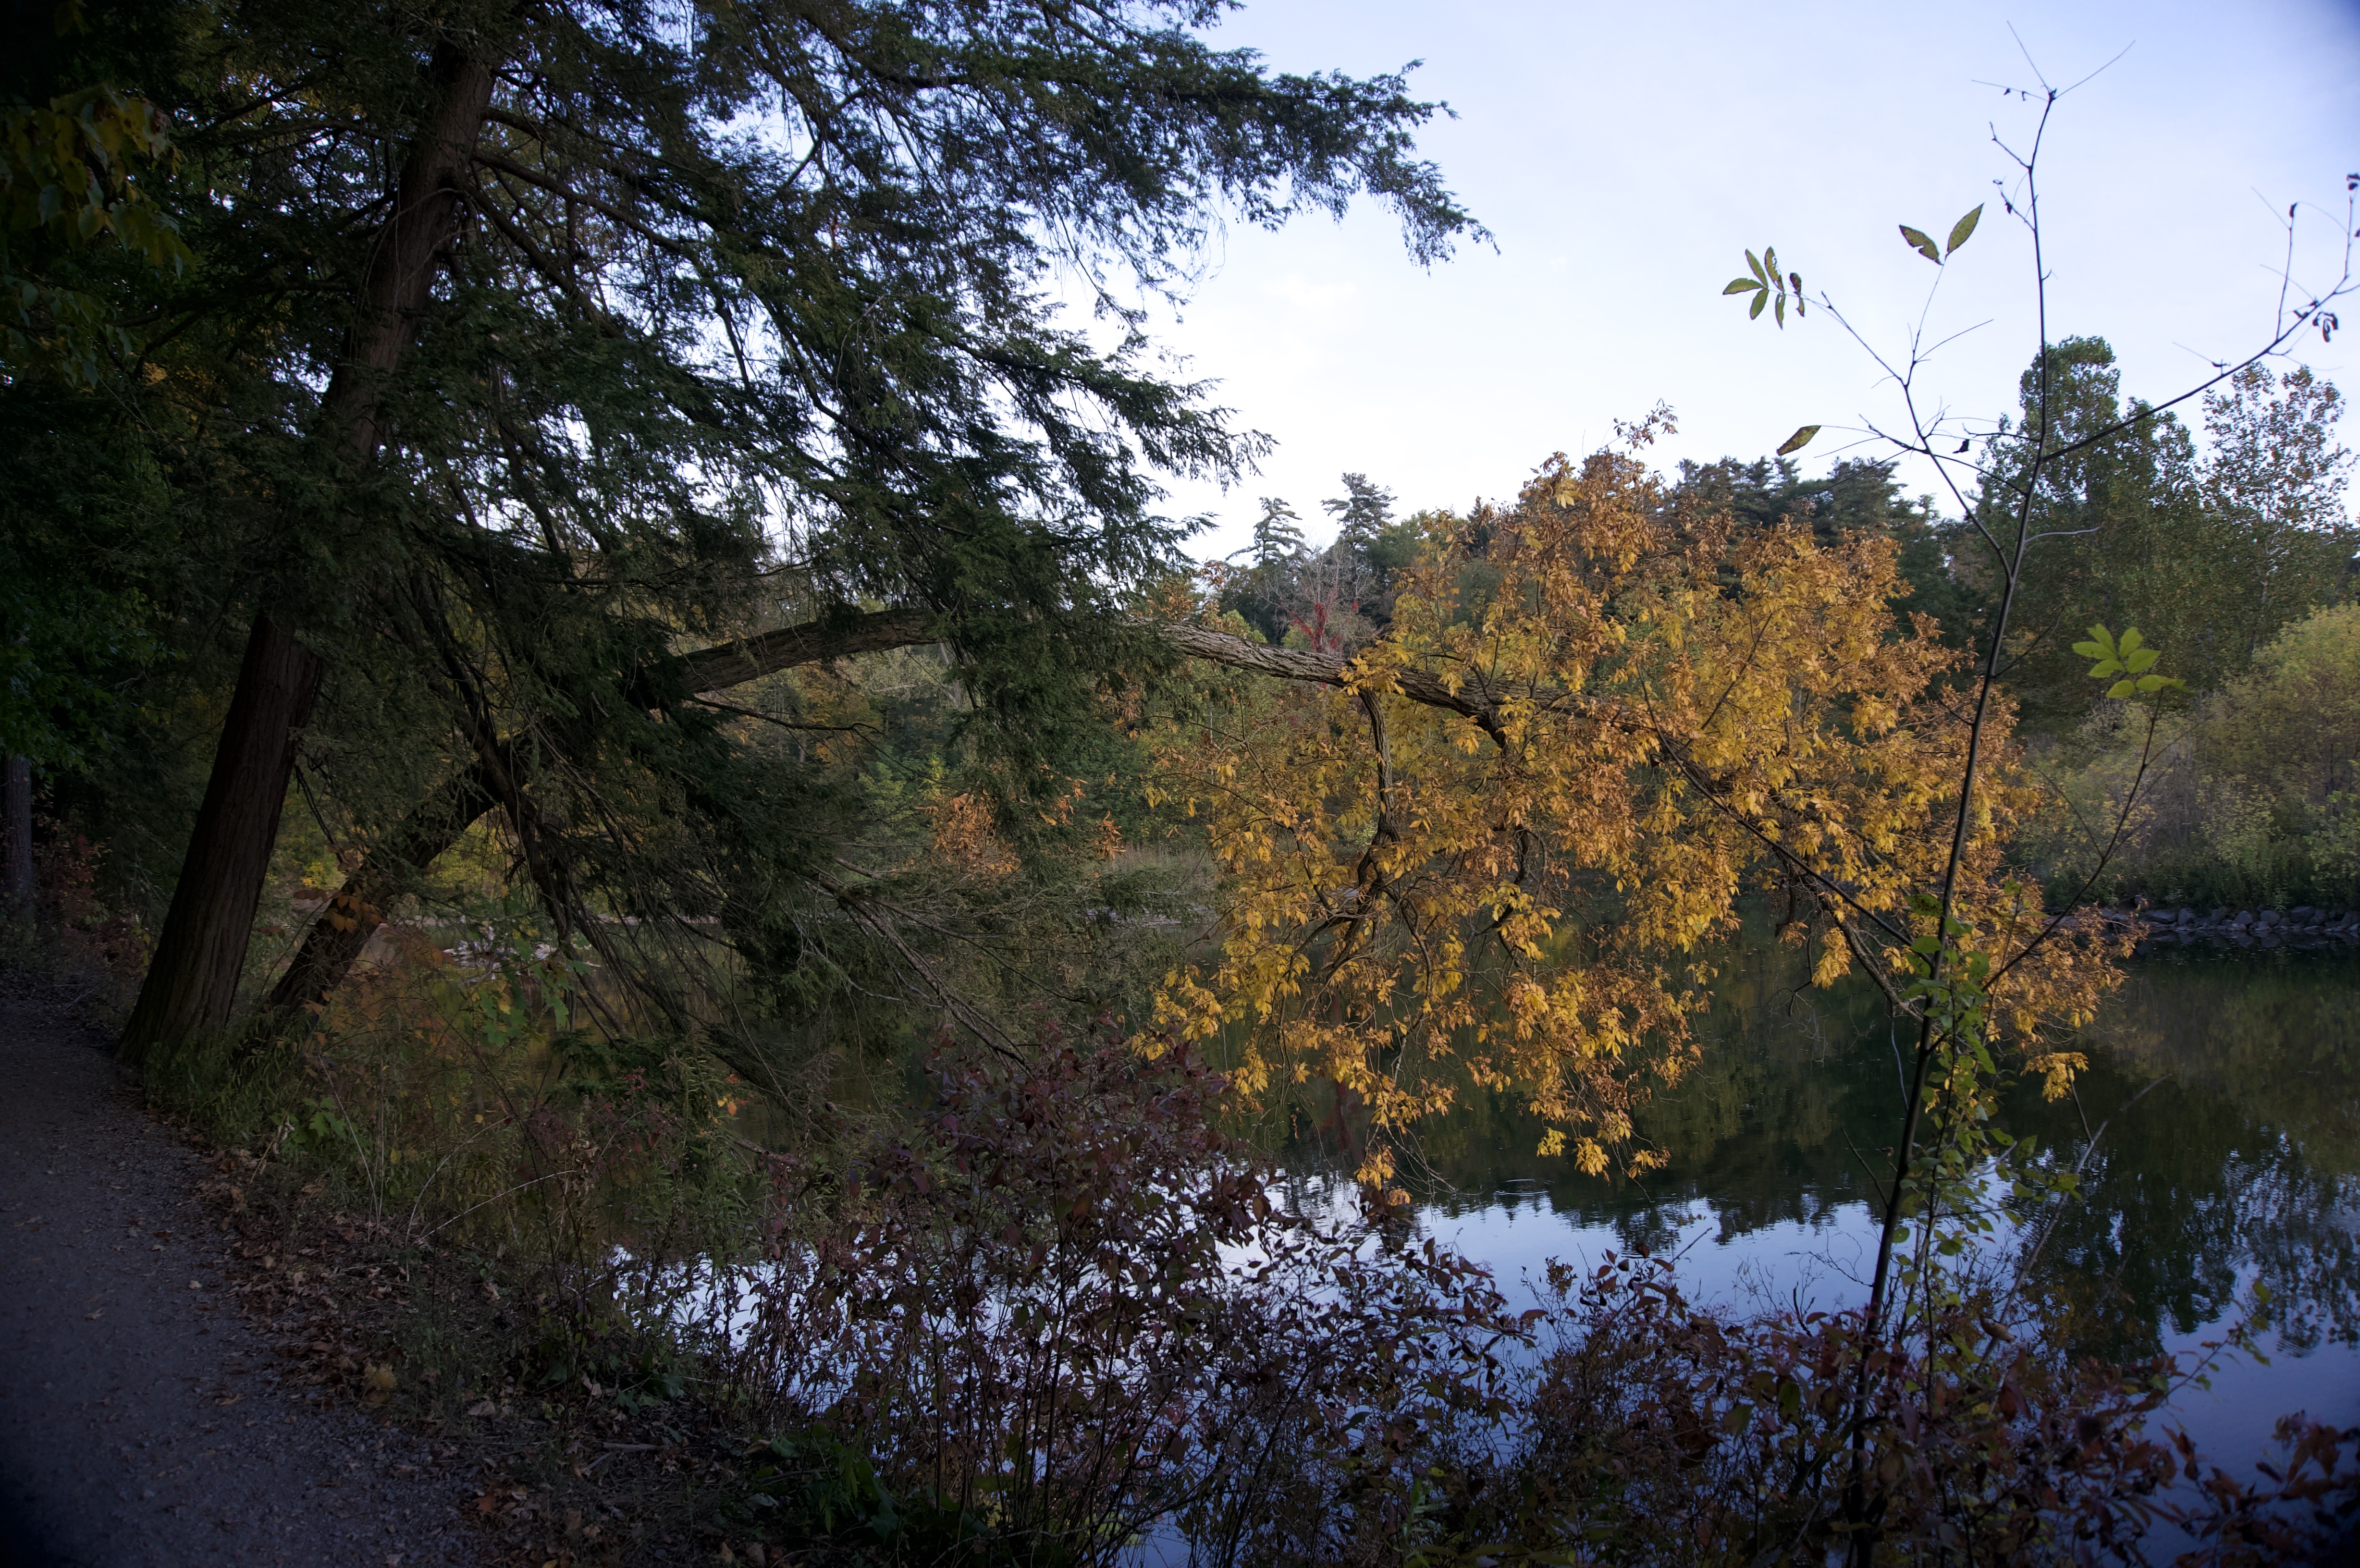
[2303,926]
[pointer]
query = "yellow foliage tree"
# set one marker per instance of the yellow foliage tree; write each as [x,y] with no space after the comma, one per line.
[1490,846]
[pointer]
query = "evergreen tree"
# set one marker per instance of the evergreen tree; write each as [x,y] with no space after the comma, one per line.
[1277,536]
[2216,553]
[1370,547]
[542,358]
[1265,592]
[1361,512]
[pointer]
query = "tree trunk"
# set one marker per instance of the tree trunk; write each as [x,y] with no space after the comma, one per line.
[331,945]
[192,983]
[341,929]
[17,828]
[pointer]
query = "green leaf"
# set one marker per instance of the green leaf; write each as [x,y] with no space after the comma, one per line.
[1740,285]
[1963,228]
[1799,440]
[1756,263]
[2141,660]
[1922,243]
[1781,312]
[2120,689]
[2131,640]
[2155,682]
[1759,300]
[1770,262]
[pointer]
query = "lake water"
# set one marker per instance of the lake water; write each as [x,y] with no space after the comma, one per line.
[2239,1163]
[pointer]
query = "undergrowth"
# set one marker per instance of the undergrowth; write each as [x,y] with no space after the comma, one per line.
[1052,1314]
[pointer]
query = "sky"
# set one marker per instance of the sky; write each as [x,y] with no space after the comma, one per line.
[1625,157]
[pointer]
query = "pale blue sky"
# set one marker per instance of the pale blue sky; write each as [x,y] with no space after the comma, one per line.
[1626,155]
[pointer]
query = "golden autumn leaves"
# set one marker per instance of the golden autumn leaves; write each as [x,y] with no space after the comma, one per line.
[1493,854]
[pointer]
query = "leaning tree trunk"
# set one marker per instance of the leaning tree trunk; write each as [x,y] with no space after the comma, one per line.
[343,929]
[191,982]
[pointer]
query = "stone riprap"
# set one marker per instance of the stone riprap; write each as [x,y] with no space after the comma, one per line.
[2303,926]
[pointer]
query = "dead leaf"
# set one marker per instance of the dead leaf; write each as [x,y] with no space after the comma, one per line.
[485,1409]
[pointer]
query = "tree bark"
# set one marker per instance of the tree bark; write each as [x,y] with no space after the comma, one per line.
[191,982]
[16,809]
[343,929]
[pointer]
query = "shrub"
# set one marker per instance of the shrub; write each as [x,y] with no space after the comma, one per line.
[1066,1312]
[1659,1431]
[2252,797]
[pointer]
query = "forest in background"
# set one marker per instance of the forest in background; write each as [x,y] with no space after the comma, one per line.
[607,697]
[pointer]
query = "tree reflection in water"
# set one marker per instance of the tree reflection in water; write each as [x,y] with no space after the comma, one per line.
[2241,1165]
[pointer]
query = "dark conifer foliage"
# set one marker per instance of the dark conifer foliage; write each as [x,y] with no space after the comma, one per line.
[527,340]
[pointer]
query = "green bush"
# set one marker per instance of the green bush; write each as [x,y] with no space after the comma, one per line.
[2250,796]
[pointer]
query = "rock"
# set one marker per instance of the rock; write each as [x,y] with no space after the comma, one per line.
[2216,917]
[2268,918]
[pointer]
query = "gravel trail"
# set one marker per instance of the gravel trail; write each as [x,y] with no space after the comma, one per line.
[141,1420]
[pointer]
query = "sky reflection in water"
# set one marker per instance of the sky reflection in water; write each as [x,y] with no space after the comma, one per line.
[2243,1165]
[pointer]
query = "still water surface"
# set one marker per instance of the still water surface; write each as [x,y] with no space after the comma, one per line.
[2239,1164]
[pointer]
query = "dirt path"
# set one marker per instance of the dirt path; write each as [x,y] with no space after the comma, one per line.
[141,1420]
